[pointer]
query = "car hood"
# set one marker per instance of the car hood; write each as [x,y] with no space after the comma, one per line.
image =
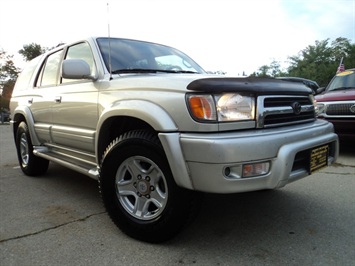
[208,83]
[340,95]
[152,81]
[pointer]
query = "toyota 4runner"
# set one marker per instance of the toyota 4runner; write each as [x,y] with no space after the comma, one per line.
[155,129]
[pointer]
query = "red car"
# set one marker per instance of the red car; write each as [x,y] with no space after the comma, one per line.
[337,104]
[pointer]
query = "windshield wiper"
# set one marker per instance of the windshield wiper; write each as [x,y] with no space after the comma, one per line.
[145,70]
[183,71]
[134,70]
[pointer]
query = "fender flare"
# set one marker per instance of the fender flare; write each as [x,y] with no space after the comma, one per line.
[161,122]
[146,111]
[149,112]
[27,114]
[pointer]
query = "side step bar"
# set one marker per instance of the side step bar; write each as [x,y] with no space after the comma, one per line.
[81,166]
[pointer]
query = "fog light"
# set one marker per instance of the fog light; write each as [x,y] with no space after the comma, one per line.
[256,169]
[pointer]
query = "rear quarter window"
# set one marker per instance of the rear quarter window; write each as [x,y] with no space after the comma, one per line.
[23,81]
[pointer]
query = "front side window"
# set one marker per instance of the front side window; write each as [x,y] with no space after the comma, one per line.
[80,51]
[50,70]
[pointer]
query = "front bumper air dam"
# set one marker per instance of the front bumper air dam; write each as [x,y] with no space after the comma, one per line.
[198,161]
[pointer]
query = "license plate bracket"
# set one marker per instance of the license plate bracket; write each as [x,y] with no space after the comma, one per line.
[318,158]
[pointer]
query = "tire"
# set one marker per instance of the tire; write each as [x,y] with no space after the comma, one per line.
[30,164]
[138,189]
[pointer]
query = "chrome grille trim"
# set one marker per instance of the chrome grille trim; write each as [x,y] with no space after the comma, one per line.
[343,109]
[277,110]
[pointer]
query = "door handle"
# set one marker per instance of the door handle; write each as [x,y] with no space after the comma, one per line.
[58,99]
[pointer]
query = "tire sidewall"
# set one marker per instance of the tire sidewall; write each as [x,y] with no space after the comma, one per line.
[23,129]
[171,218]
[36,166]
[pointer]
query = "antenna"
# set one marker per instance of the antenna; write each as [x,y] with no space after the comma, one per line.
[109,41]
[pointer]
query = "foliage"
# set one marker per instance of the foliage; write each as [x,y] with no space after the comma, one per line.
[318,62]
[273,70]
[8,76]
[9,72]
[31,51]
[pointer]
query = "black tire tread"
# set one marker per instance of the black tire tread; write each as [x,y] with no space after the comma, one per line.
[36,166]
[182,208]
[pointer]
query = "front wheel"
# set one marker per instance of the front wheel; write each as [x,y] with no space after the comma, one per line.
[30,164]
[138,189]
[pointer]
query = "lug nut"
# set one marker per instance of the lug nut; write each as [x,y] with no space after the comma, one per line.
[147,178]
[152,188]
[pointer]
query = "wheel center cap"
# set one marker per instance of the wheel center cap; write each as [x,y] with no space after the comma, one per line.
[143,187]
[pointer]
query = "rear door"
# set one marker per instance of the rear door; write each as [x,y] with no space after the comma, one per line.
[41,97]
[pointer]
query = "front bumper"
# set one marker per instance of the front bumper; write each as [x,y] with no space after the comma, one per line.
[198,161]
[344,128]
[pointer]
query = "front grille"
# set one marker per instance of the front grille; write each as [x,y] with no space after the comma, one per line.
[288,118]
[284,110]
[284,101]
[339,109]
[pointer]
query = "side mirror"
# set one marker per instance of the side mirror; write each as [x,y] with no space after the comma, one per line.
[320,90]
[76,69]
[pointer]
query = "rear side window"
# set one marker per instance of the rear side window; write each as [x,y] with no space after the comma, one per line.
[50,70]
[24,79]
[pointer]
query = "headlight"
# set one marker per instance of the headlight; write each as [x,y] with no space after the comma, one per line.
[320,110]
[314,101]
[224,107]
[235,107]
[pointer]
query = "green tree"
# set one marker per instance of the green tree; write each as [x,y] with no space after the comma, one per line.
[262,72]
[319,62]
[8,76]
[31,51]
[342,48]
[273,70]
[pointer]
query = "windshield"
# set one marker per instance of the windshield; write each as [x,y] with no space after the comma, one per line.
[130,56]
[342,81]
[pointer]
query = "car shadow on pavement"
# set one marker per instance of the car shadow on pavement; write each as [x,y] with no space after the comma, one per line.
[247,215]
[347,147]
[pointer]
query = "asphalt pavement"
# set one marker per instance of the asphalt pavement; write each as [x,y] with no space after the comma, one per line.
[58,219]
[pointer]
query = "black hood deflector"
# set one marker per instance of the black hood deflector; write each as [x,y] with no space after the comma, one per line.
[262,86]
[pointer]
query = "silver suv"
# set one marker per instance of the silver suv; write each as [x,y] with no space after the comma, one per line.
[155,129]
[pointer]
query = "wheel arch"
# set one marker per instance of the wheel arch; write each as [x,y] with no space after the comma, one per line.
[23,114]
[130,115]
[113,127]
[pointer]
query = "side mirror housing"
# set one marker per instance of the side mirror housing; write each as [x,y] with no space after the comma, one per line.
[76,69]
[320,90]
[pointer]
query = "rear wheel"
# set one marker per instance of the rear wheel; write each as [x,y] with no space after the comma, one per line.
[30,164]
[139,191]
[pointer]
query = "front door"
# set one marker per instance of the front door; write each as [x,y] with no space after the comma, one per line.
[75,109]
